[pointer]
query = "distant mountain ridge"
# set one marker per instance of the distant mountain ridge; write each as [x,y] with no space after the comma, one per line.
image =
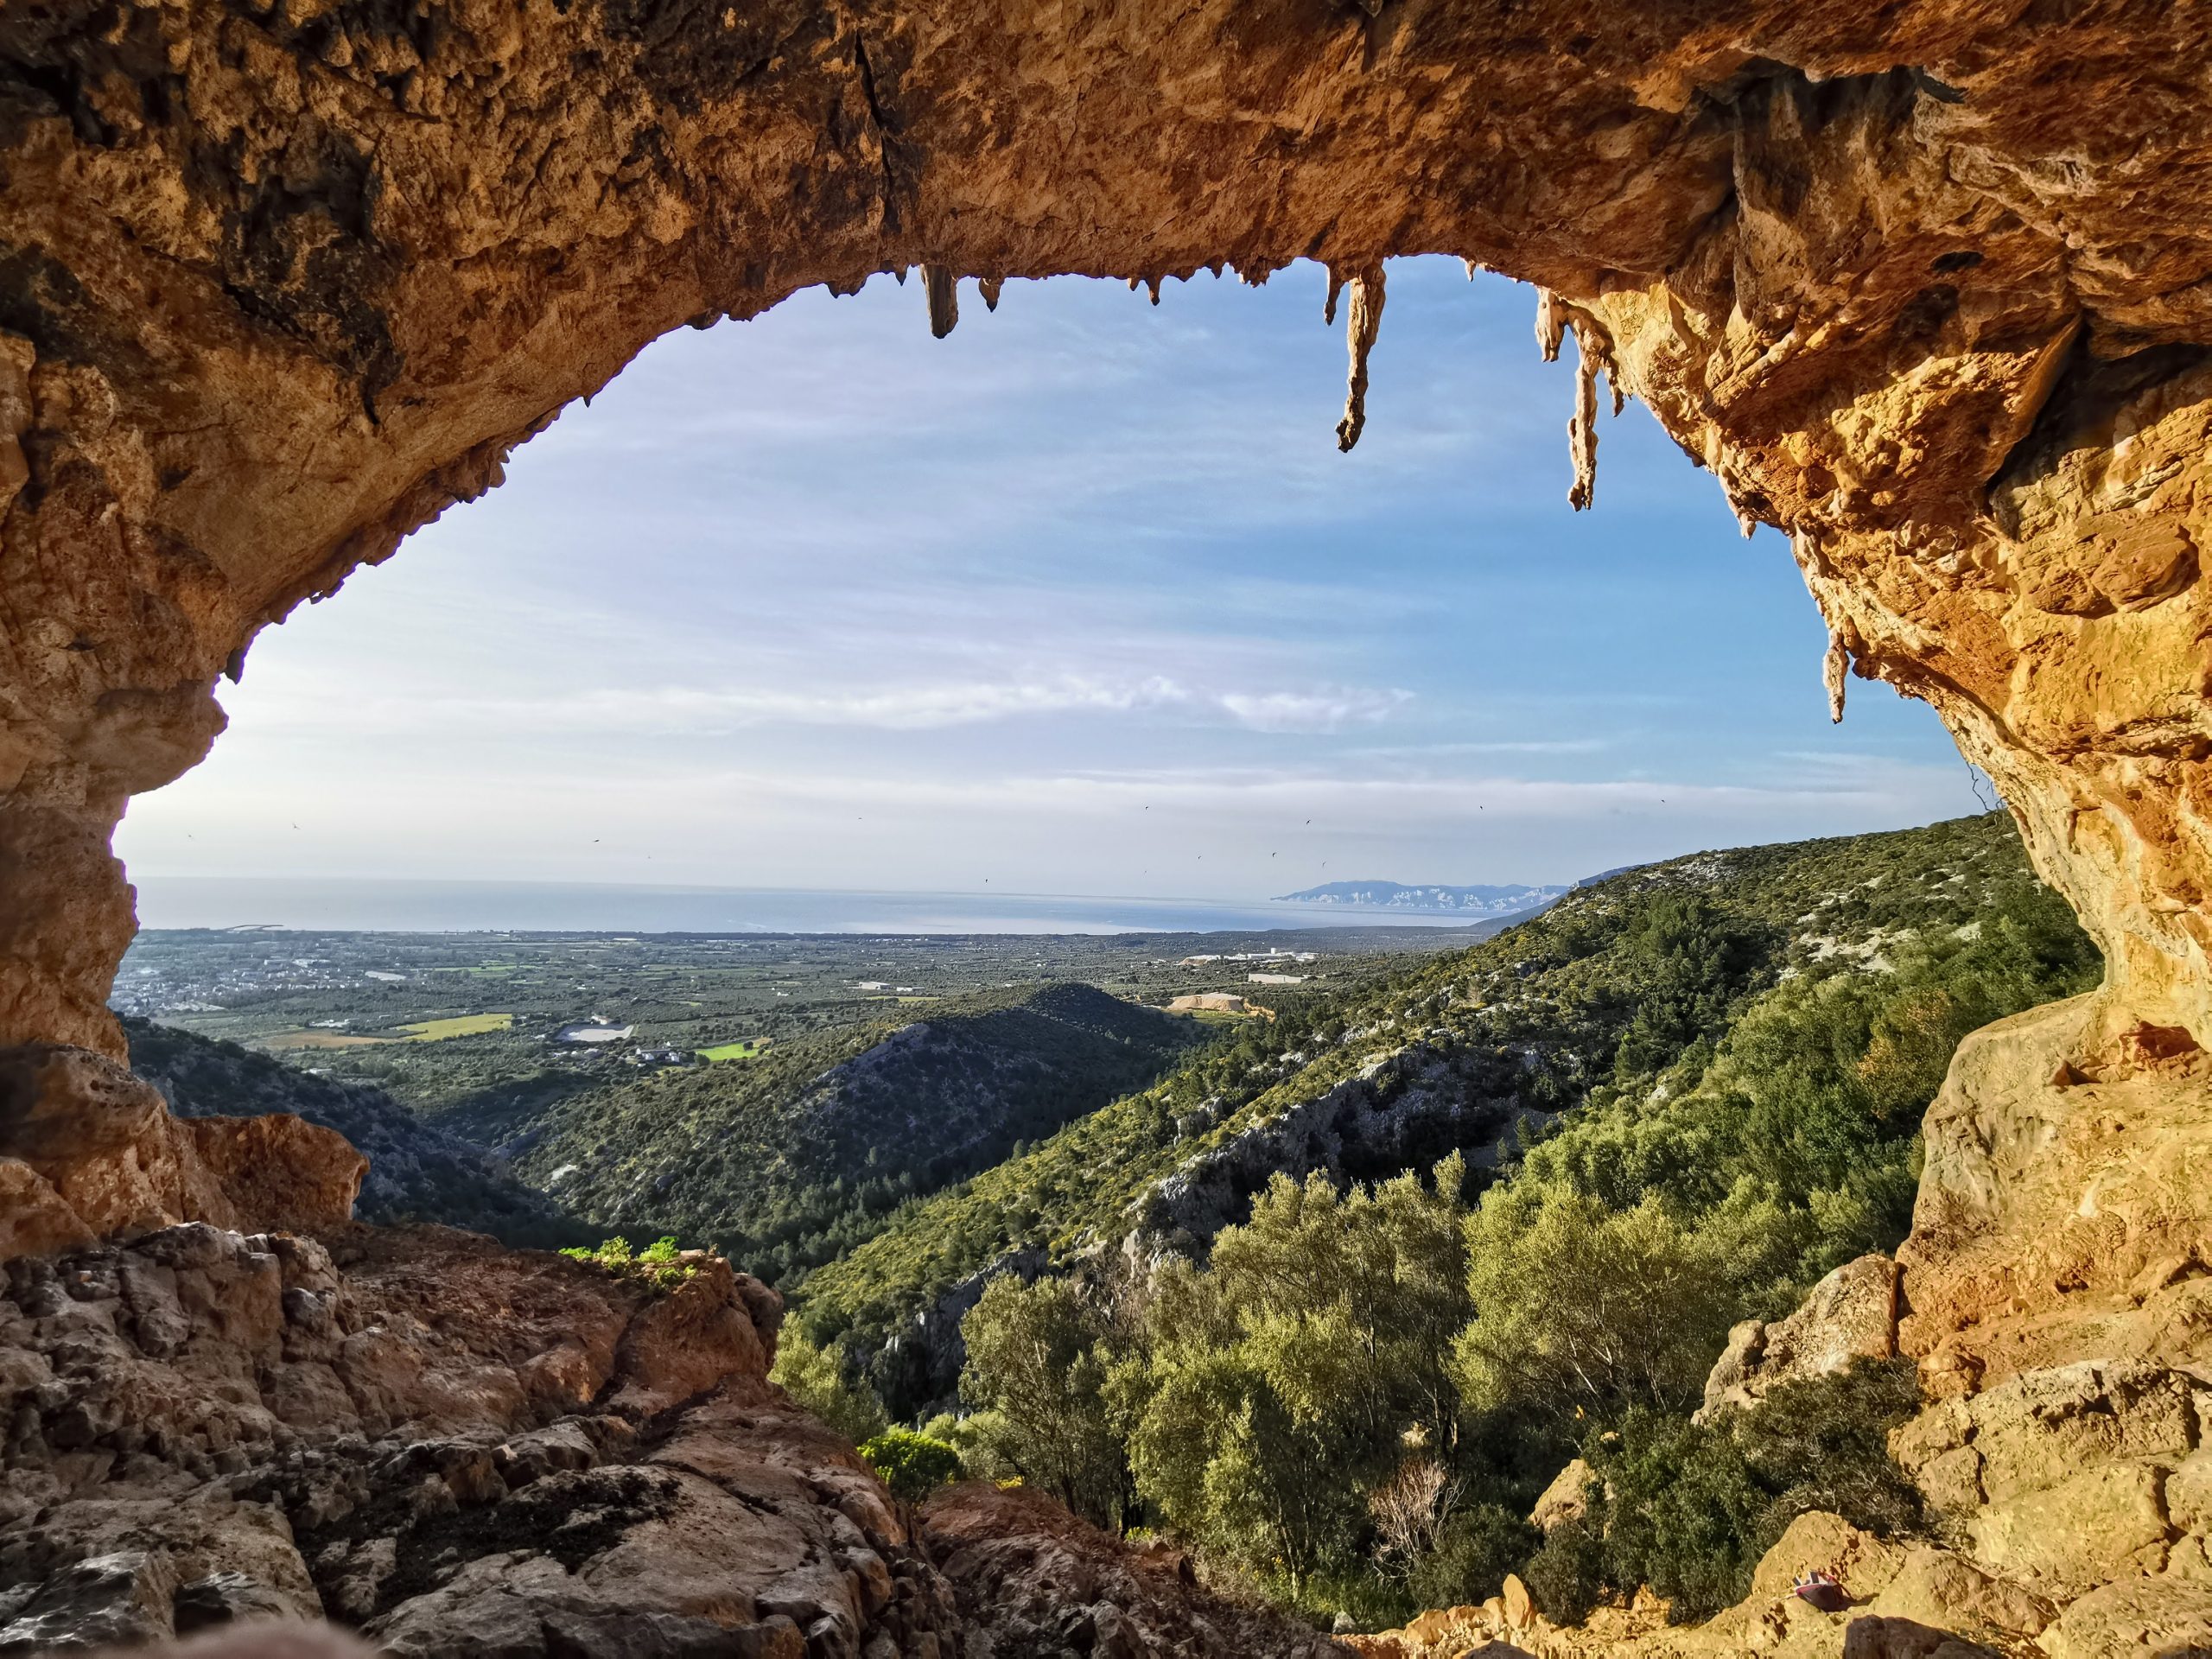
[1396,895]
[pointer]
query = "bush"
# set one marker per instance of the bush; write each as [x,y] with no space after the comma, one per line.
[1566,1575]
[1689,1509]
[1684,1514]
[912,1465]
[1481,1544]
[1824,1444]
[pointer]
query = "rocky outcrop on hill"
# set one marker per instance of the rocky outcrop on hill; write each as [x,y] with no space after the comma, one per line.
[417,1172]
[1850,1314]
[1413,1100]
[917,1373]
[88,1151]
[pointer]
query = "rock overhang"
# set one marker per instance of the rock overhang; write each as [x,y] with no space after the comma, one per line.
[1930,289]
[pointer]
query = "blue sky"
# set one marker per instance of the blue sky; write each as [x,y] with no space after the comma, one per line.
[1082,599]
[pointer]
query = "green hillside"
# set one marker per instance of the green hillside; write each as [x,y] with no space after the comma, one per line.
[789,1158]
[1543,1178]
[1608,1005]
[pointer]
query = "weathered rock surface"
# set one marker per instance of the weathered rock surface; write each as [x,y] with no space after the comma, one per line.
[88,1150]
[456,1449]
[1566,1499]
[1031,1579]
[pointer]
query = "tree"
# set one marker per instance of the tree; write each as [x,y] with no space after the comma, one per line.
[912,1465]
[1577,1307]
[815,1379]
[1039,1360]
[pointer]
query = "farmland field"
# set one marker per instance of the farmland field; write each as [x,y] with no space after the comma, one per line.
[734,1050]
[460,1025]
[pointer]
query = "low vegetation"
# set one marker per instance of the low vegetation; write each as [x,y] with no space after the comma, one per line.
[912,1465]
[660,1264]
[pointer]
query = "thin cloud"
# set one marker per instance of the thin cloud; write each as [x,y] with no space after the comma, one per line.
[675,711]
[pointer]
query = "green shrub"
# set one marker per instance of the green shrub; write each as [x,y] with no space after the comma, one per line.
[659,1264]
[1683,1515]
[815,1376]
[912,1465]
[1481,1544]
[1689,1509]
[1823,1444]
[1566,1575]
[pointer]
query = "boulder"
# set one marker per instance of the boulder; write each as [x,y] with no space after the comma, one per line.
[207,1427]
[88,1150]
[1568,1498]
[2168,1617]
[1851,1314]
[1940,1588]
[2104,1522]
[1862,1563]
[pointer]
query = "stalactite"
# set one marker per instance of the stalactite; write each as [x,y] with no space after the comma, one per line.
[1152,285]
[990,288]
[1833,667]
[942,284]
[1364,323]
[1551,324]
[1582,430]
[1329,305]
[1474,267]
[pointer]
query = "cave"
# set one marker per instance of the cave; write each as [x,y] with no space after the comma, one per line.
[1928,287]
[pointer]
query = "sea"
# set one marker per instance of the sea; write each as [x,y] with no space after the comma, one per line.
[408,907]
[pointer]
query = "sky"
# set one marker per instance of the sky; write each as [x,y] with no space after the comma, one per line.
[1080,600]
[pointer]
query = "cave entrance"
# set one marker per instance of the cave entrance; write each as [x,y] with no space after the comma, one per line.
[1081,599]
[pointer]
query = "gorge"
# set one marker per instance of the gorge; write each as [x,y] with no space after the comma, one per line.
[1928,286]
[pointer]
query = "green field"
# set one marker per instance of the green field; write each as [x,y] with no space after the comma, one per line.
[460,1025]
[750,1051]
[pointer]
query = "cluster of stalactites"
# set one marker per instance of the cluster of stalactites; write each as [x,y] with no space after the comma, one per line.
[1555,320]
[941,288]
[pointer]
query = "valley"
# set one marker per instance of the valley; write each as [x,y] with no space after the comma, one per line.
[1703,1077]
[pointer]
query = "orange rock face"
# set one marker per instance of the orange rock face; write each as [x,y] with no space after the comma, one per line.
[88,1150]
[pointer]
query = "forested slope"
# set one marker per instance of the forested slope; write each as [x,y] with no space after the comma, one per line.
[1614,1005]
[1352,1391]
[784,1161]
[417,1172]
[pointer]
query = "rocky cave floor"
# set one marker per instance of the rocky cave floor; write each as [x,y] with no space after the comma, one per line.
[455,1449]
[458,1450]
